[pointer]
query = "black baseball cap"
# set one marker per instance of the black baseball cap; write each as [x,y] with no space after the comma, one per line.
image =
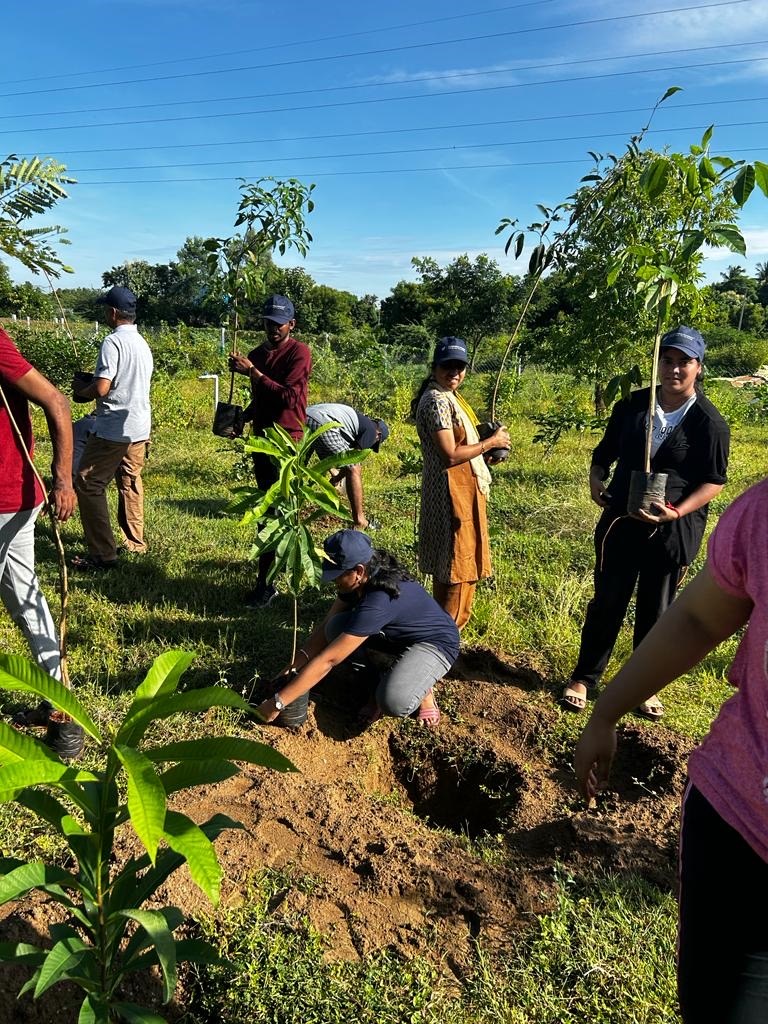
[449,350]
[687,339]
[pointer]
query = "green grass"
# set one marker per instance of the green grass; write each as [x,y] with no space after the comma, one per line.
[579,963]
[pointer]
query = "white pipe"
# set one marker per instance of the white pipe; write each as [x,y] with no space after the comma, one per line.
[215,378]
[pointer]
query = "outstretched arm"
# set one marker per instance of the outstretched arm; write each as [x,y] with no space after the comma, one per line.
[692,626]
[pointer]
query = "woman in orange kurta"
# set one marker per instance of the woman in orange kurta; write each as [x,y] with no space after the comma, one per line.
[453,526]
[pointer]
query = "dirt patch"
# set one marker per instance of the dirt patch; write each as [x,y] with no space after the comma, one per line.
[412,834]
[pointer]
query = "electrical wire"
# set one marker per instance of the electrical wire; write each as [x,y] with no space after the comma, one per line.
[382,99]
[284,64]
[380,85]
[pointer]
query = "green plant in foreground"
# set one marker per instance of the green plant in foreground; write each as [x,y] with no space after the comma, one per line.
[108,934]
[282,513]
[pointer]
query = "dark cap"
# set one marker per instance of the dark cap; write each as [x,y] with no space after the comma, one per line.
[372,432]
[343,551]
[279,309]
[120,298]
[687,339]
[449,350]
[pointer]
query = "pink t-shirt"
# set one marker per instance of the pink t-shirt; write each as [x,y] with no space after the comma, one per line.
[731,766]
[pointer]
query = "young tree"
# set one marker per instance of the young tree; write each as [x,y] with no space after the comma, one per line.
[29,188]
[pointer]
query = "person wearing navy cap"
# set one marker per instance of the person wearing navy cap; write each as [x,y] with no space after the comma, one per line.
[381,608]
[455,482]
[355,431]
[278,371]
[117,435]
[649,550]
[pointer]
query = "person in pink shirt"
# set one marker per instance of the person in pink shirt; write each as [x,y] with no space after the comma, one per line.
[723,911]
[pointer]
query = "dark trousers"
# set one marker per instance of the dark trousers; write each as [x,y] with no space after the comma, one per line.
[627,553]
[266,473]
[722,973]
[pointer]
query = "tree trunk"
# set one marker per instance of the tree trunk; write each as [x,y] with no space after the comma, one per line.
[600,406]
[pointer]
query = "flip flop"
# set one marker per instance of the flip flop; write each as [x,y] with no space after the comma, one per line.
[652,710]
[428,716]
[573,700]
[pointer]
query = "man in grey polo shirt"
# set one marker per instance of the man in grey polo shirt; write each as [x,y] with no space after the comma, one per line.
[116,446]
[356,430]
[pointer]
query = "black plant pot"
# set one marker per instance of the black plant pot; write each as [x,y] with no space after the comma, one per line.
[484,431]
[82,379]
[65,737]
[646,489]
[294,714]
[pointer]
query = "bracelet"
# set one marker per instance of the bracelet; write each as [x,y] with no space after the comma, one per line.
[674,508]
[302,651]
[482,447]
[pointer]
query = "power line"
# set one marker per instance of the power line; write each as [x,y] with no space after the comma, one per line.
[400,131]
[380,85]
[283,64]
[376,170]
[380,99]
[401,152]
[282,45]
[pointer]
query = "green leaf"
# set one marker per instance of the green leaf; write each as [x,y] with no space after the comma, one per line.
[65,954]
[654,178]
[146,797]
[761,176]
[193,700]
[162,678]
[19,881]
[199,952]
[187,839]
[93,1012]
[693,241]
[744,184]
[692,180]
[20,774]
[213,748]
[707,136]
[21,953]
[196,773]
[20,674]
[16,745]
[729,237]
[670,92]
[133,1014]
[49,809]
[155,925]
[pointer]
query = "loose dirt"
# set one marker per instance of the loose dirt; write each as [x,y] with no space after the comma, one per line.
[389,820]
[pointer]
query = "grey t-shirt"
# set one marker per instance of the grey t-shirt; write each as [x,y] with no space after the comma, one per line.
[123,414]
[340,439]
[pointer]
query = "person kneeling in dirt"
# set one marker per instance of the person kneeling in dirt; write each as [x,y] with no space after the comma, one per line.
[379,607]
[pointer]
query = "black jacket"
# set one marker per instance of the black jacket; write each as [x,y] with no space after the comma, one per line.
[695,453]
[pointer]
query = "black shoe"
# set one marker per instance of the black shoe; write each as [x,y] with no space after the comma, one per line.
[65,738]
[37,716]
[261,597]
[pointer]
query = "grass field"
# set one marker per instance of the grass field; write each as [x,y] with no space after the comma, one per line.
[186,593]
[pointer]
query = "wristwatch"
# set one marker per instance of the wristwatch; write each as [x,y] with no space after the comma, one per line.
[278,703]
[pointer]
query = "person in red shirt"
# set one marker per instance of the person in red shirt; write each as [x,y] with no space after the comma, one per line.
[21,498]
[279,372]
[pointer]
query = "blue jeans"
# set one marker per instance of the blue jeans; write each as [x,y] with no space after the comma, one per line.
[409,676]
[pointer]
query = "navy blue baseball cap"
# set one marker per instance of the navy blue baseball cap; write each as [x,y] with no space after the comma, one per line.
[120,298]
[372,432]
[449,350]
[687,339]
[343,551]
[279,309]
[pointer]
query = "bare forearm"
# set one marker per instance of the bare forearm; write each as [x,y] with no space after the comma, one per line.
[698,498]
[59,419]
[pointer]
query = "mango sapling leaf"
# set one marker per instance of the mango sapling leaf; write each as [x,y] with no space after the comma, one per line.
[103,899]
[21,675]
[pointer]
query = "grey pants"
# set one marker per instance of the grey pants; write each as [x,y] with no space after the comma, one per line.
[20,588]
[409,675]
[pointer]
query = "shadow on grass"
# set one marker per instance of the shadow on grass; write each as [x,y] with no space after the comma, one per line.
[201,508]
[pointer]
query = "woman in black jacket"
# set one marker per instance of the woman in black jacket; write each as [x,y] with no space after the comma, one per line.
[650,550]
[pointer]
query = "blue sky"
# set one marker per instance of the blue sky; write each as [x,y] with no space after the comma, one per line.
[421,123]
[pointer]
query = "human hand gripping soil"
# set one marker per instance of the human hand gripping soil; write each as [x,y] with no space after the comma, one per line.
[594,755]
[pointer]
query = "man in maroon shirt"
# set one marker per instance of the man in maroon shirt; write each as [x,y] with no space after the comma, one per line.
[21,499]
[279,372]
